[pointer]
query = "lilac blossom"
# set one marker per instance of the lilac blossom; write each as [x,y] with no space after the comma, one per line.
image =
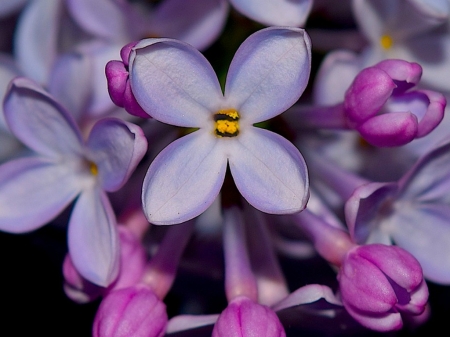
[412,213]
[381,105]
[175,84]
[35,189]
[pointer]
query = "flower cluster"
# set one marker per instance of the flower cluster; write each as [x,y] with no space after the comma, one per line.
[199,155]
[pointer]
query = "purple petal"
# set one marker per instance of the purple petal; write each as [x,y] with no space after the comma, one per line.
[197,22]
[36,38]
[93,239]
[33,191]
[184,179]
[424,231]
[269,172]
[385,322]
[174,83]
[36,119]
[7,7]
[268,73]
[307,295]
[275,12]
[187,322]
[401,70]
[116,147]
[434,113]
[391,129]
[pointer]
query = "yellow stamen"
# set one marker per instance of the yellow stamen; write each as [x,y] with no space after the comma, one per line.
[226,123]
[386,42]
[93,168]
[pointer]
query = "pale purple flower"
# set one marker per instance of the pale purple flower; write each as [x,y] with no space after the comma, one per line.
[379,283]
[175,84]
[35,189]
[413,213]
[275,12]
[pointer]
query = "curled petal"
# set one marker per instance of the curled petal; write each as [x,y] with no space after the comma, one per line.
[93,239]
[174,83]
[116,147]
[401,71]
[392,129]
[39,121]
[32,192]
[434,112]
[268,73]
[269,172]
[389,321]
[275,12]
[184,179]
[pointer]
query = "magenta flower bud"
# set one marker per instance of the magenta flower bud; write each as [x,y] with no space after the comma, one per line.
[378,283]
[119,86]
[134,311]
[76,287]
[381,107]
[245,318]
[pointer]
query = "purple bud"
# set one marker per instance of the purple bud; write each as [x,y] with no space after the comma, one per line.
[378,283]
[381,107]
[119,86]
[134,311]
[245,318]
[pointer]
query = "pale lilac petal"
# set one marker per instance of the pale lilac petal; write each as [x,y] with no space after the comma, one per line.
[307,295]
[269,172]
[39,121]
[184,179]
[116,148]
[32,192]
[383,322]
[388,130]
[429,179]
[93,238]
[370,16]
[268,73]
[424,231]
[197,22]
[69,82]
[174,83]
[187,322]
[36,38]
[103,18]
[8,70]
[275,12]
[335,75]
[362,208]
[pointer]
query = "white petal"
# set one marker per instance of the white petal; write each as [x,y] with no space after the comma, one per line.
[269,172]
[184,179]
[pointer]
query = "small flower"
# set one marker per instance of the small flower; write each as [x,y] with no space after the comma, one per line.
[378,283]
[35,189]
[175,84]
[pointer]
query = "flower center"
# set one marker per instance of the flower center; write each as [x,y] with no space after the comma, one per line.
[226,123]
[93,168]
[386,42]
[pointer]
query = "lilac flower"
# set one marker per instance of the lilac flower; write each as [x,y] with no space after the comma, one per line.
[35,189]
[378,283]
[413,213]
[275,12]
[175,84]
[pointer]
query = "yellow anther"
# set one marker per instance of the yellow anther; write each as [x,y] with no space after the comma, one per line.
[93,168]
[226,123]
[386,42]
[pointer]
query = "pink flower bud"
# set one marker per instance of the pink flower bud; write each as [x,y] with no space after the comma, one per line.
[245,318]
[134,311]
[378,283]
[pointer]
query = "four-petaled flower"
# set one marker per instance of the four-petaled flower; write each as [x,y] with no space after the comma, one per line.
[175,84]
